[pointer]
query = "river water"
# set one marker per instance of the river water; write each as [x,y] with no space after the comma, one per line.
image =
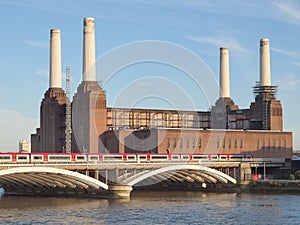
[154,208]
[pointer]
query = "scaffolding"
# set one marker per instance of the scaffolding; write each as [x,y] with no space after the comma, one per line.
[68,130]
[267,93]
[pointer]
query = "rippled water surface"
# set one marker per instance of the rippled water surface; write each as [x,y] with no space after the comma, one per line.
[154,208]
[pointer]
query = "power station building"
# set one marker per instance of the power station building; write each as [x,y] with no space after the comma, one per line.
[226,129]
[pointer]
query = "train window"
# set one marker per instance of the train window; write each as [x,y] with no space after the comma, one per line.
[229,143]
[199,143]
[185,157]
[180,143]
[94,158]
[37,157]
[59,157]
[237,157]
[159,157]
[223,142]
[187,143]
[175,157]
[235,143]
[241,143]
[20,157]
[142,158]
[193,142]
[112,158]
[5,157]
[80,157]
[223,157]
[218,143]
[257,143]
[198,157]
[248,156]
[131,157]
[214,157]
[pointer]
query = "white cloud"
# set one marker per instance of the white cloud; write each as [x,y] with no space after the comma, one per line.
[285,52]
[221,41]
[42,72]
[36,44]
[289,12]
[288,82]
[296,64]
[14,127]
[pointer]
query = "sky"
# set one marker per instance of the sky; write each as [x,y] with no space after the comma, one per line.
[196,27]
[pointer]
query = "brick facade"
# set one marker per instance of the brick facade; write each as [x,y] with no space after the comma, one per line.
[50,137]
[262,144]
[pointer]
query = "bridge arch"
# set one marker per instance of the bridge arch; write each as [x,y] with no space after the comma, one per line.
[47,178]
[207,174]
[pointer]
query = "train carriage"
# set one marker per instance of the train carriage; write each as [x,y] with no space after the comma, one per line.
[116,158]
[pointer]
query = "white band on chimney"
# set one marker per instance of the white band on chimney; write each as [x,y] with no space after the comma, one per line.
[265,74]
[55,59]
[224,73]
[89,67]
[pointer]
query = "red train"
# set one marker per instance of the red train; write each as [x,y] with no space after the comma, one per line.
[102,158]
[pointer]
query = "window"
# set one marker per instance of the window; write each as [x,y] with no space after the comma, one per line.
[199,143]
[257,143]
[187,143]
[180,143]
[241,143]
[168,143]
[223,142]
[174,144]
[218,143]
[229,143]
[193,142]
[235,143]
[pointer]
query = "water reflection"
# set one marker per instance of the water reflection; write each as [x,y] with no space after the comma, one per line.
[154,208]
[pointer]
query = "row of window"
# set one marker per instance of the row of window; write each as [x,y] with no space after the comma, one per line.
[270,143]
[230,143]
[192,143]
[236,143]
[181,143]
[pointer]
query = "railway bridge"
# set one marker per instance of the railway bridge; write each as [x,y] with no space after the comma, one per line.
[116,179]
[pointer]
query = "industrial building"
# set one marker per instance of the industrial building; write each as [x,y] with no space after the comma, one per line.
[226,129]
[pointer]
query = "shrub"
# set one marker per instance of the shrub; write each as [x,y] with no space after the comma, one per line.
[297,175]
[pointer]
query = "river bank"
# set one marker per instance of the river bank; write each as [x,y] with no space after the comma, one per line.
[272,186]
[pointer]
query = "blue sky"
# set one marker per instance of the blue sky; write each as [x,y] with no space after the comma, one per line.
[202,26]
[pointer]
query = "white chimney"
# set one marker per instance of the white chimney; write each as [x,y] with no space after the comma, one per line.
[265,74]
[89,67]
[224,73]
[55,59]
